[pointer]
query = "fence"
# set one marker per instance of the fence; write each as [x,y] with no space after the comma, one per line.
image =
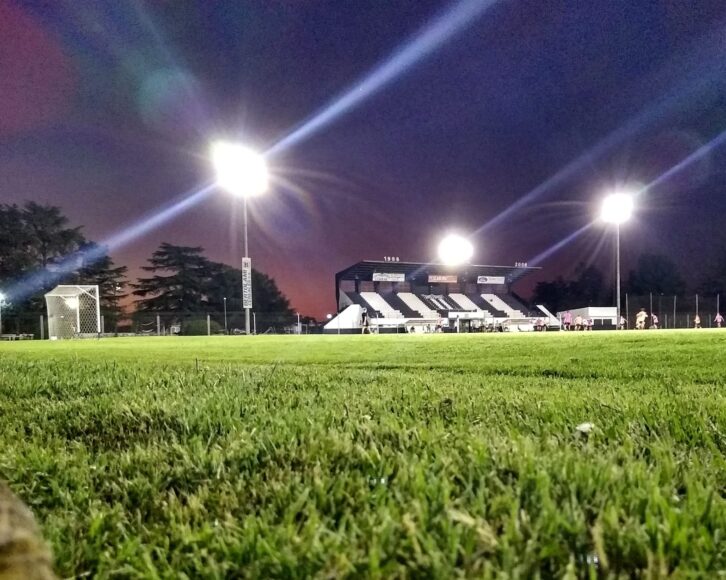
[213,323]
[673,311]
[172,323]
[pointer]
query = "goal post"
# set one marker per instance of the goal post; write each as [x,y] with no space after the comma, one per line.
[74,311]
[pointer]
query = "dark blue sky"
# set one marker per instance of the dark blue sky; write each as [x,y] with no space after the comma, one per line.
[106,109]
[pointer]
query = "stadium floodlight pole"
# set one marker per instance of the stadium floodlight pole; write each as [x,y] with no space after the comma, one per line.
[2,303]
[243,173]
[617,208]
[225,315]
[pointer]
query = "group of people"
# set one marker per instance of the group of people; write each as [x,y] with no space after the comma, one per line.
[578,323]
[641,320]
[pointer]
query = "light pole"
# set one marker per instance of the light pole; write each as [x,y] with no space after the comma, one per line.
[2,303]
[243,173]
[616,209]
[225,315]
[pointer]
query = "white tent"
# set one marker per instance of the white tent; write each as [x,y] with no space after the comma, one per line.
[74,311]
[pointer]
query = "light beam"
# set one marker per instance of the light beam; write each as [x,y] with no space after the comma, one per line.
[432,36]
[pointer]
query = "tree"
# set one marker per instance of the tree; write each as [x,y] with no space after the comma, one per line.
[183,289]
[226,282]
[14,242]
[585,290]
[111,280]
[49,238]
[554,295]
[34,239]
[715,281]
[588,287]
[657,274]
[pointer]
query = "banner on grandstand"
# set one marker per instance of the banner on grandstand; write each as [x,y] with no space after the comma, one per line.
[442,279]
[388,277]
[490,280]
[246,283]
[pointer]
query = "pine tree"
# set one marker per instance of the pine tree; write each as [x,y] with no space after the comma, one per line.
[184,287]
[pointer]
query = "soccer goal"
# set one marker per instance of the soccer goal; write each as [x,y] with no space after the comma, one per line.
[73,312]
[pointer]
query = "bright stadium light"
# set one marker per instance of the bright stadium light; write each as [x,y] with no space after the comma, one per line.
[240,170]
[455,250]
[244,174]
[617,208]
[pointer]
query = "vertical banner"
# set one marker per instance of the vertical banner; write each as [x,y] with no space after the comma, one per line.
[246,283]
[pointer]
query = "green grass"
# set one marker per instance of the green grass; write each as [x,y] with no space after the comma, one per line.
[373,456]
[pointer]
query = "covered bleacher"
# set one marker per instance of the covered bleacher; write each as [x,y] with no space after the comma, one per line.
[395,296]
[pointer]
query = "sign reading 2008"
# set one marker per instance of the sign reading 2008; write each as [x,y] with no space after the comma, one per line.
[246,283]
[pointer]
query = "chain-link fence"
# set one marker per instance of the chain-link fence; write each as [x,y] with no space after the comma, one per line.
[674,311]
[213,323]
[34,325]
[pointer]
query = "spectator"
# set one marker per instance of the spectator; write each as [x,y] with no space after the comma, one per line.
[640,319]
[718,320]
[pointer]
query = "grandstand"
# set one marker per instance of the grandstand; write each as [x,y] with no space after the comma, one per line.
[415,297]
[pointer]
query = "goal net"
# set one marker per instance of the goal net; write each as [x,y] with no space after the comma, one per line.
[73,312]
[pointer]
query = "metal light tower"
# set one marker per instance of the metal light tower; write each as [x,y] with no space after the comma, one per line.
[617,208]
[2,303]
[243,173]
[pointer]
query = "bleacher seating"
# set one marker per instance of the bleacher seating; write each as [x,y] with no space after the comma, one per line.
[380,305]
[398,304]
[432,306]
[501,305]
[415,303]
[484,305]
[515,303]
[360,301]
[465,302]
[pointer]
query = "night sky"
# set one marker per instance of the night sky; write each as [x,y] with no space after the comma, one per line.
[107,110]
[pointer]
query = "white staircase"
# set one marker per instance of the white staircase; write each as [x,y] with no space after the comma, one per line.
[379,304]
[499,304]
[417,305]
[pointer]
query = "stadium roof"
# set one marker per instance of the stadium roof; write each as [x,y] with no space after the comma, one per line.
[420,272]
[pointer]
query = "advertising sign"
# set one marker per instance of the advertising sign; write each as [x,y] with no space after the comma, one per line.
[442,279]
[490,280]
[246,283]
[388,277]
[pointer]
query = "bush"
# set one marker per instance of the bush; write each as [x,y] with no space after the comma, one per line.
[198,327]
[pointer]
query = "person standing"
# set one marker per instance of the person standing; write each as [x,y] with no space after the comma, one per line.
[590,324]
[718,320]
[567,320]
[640,319]
[697,321]
[623,323]
[364,321]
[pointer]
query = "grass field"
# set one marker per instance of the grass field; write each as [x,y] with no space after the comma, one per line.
[426,456]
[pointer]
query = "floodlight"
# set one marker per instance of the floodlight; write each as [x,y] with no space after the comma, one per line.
[2,298]
[240,170]
[455,250]
[617,208]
